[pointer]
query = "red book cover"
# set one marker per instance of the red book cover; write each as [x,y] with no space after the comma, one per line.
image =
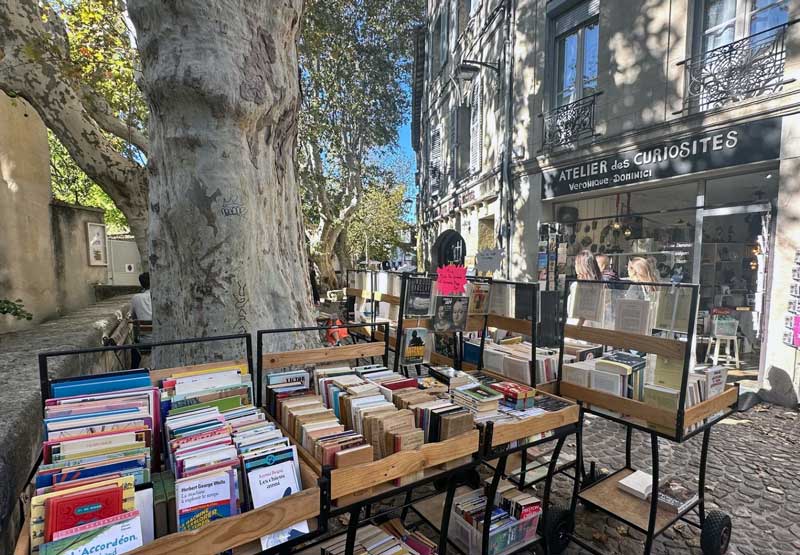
[410,382]
[71,510]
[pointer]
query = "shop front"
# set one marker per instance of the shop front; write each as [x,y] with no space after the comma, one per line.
[701,209]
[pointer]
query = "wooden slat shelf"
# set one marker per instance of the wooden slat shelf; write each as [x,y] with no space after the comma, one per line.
[607,495]
[378,296]
[235,531]
[322,354]
[436,358]
[509,324]
[628,407]
[705,409]
[668,348]
[507,432]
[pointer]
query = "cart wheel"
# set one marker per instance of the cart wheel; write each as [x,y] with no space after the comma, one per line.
[559,525]
[474,479]
[440,485]
[716,533]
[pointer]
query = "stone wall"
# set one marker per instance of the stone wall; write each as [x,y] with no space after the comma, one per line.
[75,278]
[20,400]
[26,251]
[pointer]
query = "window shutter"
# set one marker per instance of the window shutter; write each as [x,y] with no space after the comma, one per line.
[445,36]
[453,24]
[435,162]
[577,15]
[454,144]
[473,7]
[475,128]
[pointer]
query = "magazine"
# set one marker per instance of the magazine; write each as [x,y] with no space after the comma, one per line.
[479,298]
[450,314]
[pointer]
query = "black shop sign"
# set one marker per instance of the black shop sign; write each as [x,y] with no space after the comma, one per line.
[722,148]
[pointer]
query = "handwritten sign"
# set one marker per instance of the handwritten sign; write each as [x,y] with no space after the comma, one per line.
[489,260]
[451,279]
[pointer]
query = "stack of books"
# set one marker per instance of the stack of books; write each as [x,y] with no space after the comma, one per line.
[451,377]
[513,519]
[515,395]
[673,496]
[479,399]
[100,442]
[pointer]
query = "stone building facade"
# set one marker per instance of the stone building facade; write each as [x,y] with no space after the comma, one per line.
[662,128]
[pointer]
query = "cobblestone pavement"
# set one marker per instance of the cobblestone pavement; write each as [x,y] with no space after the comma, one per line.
[753,469]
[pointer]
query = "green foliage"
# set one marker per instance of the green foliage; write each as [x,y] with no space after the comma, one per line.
[71,185]
[102,57]
[355,63]
[378,225]
[15,309]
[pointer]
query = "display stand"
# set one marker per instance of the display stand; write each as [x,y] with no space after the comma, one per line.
[238,533]
[356,488]
[667,335]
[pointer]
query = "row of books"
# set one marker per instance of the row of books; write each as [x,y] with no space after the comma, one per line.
[391,538]
[513,519]
[99,443]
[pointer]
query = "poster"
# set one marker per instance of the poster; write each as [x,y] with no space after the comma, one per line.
[96,239]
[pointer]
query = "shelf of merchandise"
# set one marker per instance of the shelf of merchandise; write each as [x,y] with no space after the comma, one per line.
[676,425]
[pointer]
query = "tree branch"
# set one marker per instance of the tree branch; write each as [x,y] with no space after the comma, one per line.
[100,111]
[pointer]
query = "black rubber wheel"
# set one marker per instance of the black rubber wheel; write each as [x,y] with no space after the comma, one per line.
[716,534]
[558,527]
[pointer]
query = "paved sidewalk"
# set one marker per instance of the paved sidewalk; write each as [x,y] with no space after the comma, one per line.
[753,469]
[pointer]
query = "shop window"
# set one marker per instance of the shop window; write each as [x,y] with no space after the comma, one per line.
[576,50]
[656,223]
[742,190]
[486,239]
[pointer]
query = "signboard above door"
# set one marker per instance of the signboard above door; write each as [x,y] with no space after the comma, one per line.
[721,148]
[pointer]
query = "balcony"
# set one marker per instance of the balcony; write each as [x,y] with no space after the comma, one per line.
[568,123]
[745,68]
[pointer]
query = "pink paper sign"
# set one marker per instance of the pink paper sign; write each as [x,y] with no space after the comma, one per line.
[451,280]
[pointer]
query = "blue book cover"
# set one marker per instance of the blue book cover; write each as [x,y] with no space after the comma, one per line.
[103,384]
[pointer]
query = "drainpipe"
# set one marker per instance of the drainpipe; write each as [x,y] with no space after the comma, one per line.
[508,199]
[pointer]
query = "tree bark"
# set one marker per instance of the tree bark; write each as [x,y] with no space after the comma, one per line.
[227,249]
[30,68]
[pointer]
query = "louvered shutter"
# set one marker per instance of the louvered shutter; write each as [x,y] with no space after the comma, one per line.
[445,36]
[577,15]
[453,24]
[454,144]
[473,7]
[435,162]
[475,128]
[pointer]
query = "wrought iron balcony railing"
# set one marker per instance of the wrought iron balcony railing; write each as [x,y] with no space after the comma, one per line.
[568,123]
[743,69]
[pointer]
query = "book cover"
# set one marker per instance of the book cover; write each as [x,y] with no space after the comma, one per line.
[674,497]
[479,298]
[112,536]
[69,511]
[638,484]
[523,302]
[414,345]
[444,344]
[274,477]
[450,313]
[632,316]
[419,291]
[204,498]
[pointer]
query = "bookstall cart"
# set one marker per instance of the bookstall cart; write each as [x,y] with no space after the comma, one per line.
[239,534]
[645,381]
[353,490]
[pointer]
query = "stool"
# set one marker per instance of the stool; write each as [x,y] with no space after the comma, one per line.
[727,359]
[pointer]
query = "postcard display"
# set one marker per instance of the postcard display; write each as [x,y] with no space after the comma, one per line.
[640,373]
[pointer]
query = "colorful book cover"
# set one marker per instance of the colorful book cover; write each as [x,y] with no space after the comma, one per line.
[414,345]
[104,384]
[112,536]
[204,498]
[69,511]
[273,477]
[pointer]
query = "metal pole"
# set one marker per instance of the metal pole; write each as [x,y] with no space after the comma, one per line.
[651,525]
[701,486]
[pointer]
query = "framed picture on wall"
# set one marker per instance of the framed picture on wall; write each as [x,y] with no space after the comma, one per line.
[96,240]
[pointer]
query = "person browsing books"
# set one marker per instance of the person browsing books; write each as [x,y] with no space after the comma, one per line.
[643,272]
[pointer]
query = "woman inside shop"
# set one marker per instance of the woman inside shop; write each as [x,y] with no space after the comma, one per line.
[642,270]
[586,268]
